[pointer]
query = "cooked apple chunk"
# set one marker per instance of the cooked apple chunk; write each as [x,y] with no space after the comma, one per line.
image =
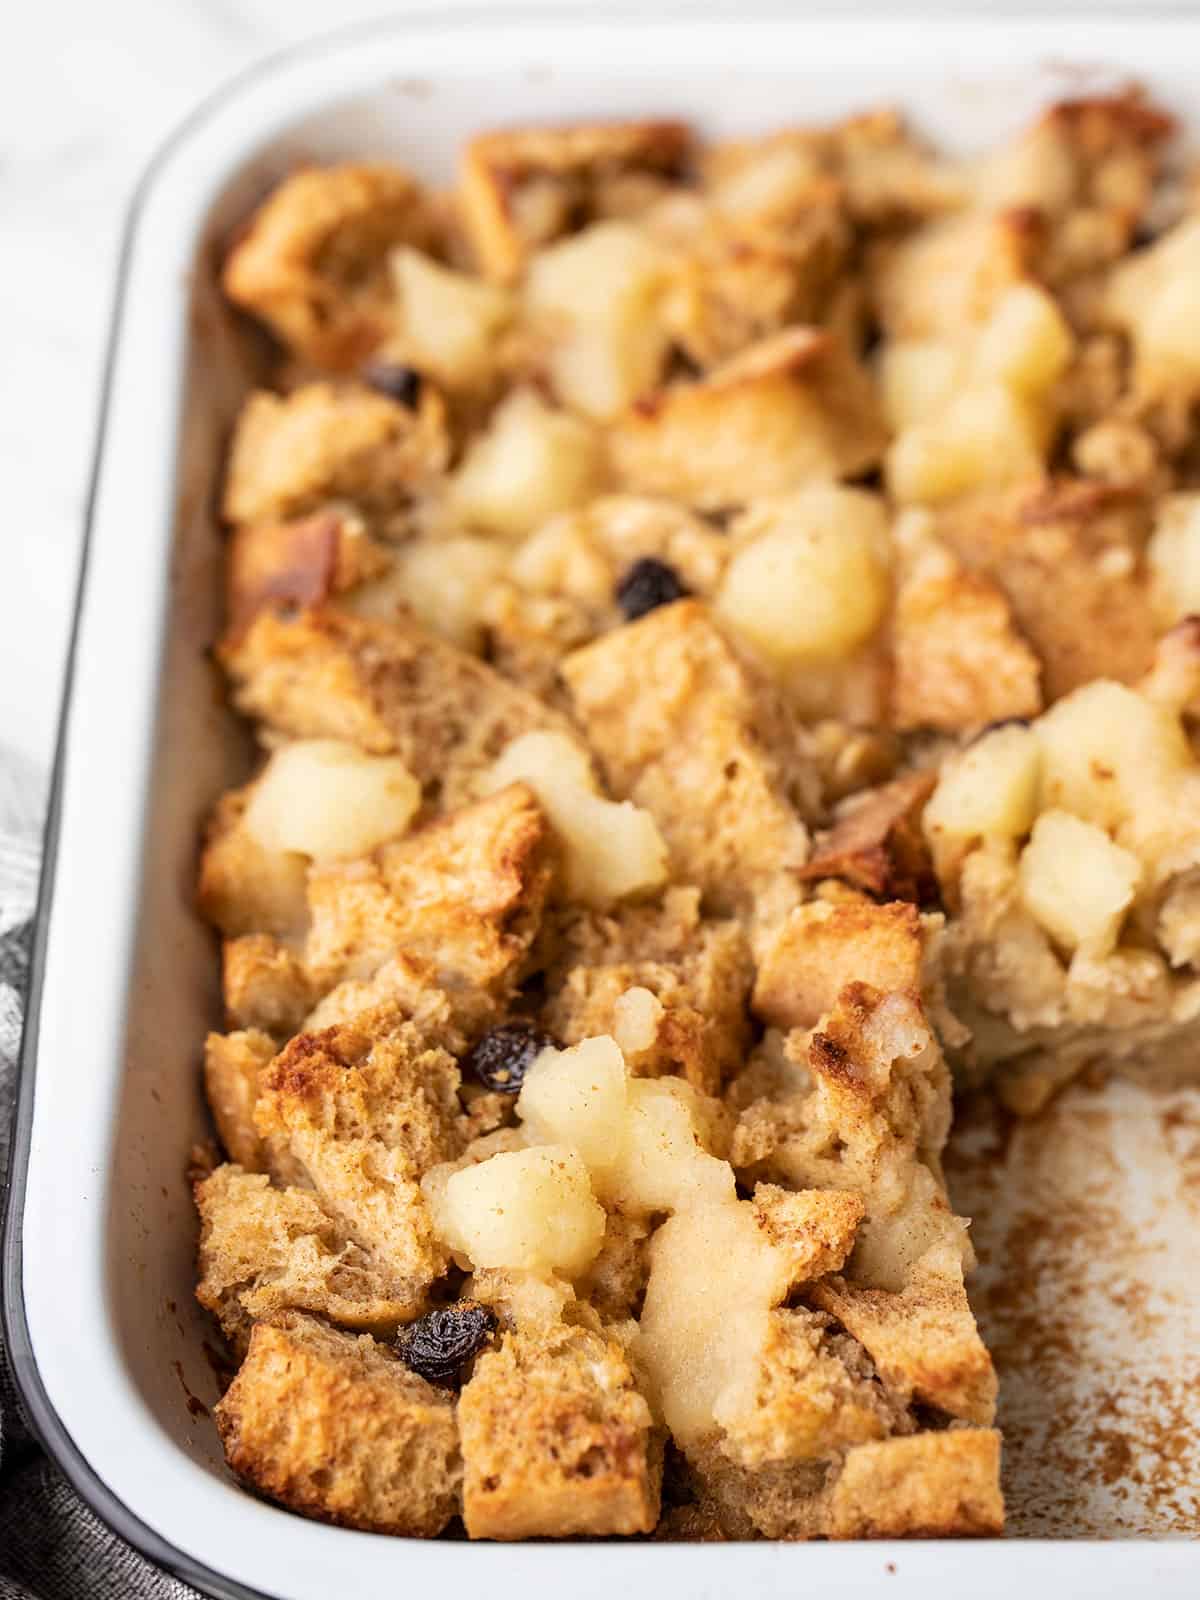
[532,463]
[323,798]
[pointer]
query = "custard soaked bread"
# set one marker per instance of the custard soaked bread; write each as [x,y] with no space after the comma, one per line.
[718,620]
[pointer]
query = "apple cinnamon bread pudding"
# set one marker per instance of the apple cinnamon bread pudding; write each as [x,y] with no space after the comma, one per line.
[720,625]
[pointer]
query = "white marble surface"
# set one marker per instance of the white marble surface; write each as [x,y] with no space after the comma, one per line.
[87,92]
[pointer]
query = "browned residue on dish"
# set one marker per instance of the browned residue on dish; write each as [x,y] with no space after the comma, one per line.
[1088,1296]
[195,1405]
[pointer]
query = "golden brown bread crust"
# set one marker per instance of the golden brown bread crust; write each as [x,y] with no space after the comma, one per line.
[823,946]
[928,1486]
[707,747]
[389,687]
[302,562]
[1070,557]
[557,1441]
[521,188]
[265,1249]
[326,441]
[243,887]
[700,971]
[791,409]
[336,1428]
[233,1067]
[265,985]
[312,262]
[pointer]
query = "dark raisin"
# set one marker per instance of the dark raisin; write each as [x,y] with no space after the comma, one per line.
[647,585]
[398,382]
[502,1057]
[438,1345]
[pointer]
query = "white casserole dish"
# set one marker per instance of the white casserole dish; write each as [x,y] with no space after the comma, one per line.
[99,1316]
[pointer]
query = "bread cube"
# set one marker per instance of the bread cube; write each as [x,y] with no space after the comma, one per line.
[926,1486]
[246,886]
[822,946]
[448,323]
[313,262]
[990,791]
[338,1428]
[557,1441]
[531,463]
[233,1067]
[596,295]
[613,849]
[811,581]
[792,409]
[1077,883]
[324,798]
[528,1209]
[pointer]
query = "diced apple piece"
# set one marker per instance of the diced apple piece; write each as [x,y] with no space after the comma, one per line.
[530,1210]
[989,436]
[1076,882]
[1105,748]
[531,463]
[662,1165]
[578,1097]
[814,583]
[1026,342]
[1155,297]
[596,293]
[918,378]
[449,322]
[324,798]
[612,849]
[1174,554]
[445,583]
[990,791]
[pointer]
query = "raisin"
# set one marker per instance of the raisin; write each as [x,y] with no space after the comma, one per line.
[438,1345]
[647,585]
[502,1057]
[399,383]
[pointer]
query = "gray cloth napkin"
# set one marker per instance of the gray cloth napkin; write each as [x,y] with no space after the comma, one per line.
[51,1546]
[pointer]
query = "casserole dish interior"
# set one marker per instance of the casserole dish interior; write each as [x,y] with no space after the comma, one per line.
[118,1364]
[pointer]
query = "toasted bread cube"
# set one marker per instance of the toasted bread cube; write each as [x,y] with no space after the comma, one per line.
[612,849]
[876,842]
[706,746]
[390,687]
[1076,882]
[313,262]
[531,1210]
[810,584]
[247,886]
[946,277]
[522,188]
[793,409]
[265,984]
[557,1441]
[265,1249]
[990,791]
[448,322]
[958,658]
[1174,555]
[926,1486]
[328,441]
[336,1427]
[530,464]
[301,561]
[324,798]
[1069,557]
[465,894]
[596,297]
[233,1067]
[823,946]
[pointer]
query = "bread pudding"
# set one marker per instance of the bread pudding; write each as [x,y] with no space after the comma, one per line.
[720,622]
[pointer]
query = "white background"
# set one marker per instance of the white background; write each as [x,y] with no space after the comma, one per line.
[88,90]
